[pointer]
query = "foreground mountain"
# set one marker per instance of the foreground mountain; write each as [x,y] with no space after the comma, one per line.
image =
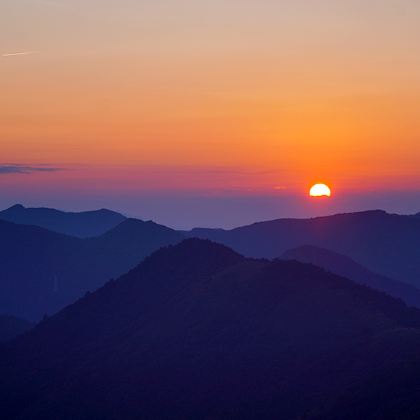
[346,267]
[197,331]
[83,225]
[385,243]
[42,271]
[11,327]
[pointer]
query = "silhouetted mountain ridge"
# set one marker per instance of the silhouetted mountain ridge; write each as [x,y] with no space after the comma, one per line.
[132,228]
[42,271]
[346,267]
[83,224]
[384,243]
[197,331]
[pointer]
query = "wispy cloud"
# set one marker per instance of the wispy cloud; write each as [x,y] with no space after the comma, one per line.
[15,54]
[12,168]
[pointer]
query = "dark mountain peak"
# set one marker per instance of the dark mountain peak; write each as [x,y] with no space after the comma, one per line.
[133,227]
[195,256]
[80,224]
[17,208]
[378,212]
[206,247]
[101,212]
[127,224]
[21,209]
[104,210]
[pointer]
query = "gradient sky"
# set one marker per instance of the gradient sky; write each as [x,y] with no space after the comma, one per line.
[213,113]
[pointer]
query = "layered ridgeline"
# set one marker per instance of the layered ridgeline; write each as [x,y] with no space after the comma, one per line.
[346,267]
[42,271]
[385,243]
[198,331]
[84,224]
[11,327]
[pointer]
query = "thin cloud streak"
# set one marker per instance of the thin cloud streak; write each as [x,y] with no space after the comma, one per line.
[11,168]
[15,54]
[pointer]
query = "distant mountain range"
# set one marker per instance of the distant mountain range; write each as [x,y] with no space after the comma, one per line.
[83,225]
[197,332]
[346,267]
[11,327]
[42,271]
[384,243]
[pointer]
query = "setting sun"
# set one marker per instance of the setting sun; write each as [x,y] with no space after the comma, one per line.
[320,190]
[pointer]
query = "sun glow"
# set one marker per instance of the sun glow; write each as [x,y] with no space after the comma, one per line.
[320,190]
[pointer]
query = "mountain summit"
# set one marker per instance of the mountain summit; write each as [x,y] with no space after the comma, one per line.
[83,224]
[198,331]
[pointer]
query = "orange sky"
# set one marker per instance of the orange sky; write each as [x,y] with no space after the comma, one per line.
[284,93]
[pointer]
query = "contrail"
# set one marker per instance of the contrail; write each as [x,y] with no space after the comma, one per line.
[18,53]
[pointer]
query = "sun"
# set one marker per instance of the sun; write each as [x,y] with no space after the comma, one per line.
[320,190]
